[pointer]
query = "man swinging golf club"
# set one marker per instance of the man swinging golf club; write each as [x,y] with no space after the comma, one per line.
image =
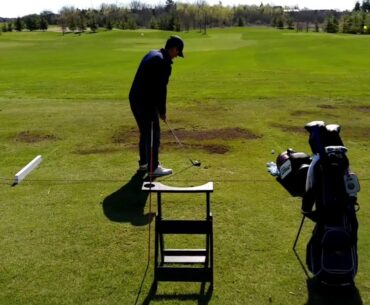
[148,97]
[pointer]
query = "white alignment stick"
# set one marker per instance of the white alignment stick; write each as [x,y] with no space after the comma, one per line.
[27,169]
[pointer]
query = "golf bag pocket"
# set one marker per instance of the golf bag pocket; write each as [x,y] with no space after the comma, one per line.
[332,256]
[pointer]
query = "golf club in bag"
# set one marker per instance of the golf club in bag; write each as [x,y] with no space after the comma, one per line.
[329,198]
[195,162]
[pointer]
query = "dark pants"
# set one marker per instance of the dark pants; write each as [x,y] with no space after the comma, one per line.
[145,121]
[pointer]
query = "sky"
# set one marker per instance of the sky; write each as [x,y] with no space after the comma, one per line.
[15,8]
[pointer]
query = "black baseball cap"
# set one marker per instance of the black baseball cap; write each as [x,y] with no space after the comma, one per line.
[175,41]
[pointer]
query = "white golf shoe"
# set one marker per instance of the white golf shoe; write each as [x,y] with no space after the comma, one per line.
[161,171]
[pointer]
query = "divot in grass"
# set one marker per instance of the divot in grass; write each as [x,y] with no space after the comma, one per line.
[33,137]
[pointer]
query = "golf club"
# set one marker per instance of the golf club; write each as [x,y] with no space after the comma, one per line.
[195,162]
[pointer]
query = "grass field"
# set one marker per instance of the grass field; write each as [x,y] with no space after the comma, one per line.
[76,230]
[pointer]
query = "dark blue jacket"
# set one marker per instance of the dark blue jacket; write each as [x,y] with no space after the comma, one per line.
[149,89]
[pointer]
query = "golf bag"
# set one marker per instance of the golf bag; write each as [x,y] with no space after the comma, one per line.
[329,198]
[330,201]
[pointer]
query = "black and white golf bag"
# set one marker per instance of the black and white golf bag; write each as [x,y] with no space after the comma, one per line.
[329,198]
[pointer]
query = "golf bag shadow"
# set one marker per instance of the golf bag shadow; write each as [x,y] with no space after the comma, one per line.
[329,198]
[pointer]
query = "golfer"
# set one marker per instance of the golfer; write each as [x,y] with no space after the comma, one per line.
[148,97]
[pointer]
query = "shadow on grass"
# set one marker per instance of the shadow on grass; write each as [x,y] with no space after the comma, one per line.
[203,297]
[127,204]
[320,295]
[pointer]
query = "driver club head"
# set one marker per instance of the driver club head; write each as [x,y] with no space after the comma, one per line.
[196,163]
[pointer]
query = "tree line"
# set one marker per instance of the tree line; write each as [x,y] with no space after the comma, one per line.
[30,22]
[178,16]
[355,22]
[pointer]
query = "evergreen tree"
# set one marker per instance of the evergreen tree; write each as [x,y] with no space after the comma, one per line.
[290,23]
[153,23]
[345,23]
[49,16]
[331,24]
[108,24]
[356,23]
[366,28]
[357,7]
[280,23]
[274,22]
[92,20]
[18,25]
[72,22]
[63,24]
[170,6]
[131,24]
[10,27]
[335,25]
[171,24]
[240,22]
[365,7]
[80,21]
[32,22]
[43,24]
[317,28]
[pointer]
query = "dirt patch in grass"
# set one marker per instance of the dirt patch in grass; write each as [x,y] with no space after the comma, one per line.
[219,149]
[215,134]
[191,139]
[363,108]
[355,133]
[290,129]
[216,149]
[301,113]
[365,133]
[317,113]
[326,106]
[96,150]
[34,137]
[125,136]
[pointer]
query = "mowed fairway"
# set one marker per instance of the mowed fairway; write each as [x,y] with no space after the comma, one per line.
[76,230]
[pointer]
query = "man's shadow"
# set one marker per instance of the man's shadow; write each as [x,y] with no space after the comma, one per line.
[321,295]
[127,204]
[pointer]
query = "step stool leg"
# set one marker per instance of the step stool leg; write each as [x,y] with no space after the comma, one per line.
[161,245]
[154,287]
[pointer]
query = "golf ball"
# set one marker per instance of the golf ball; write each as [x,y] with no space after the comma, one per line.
[273,151]
[365,27]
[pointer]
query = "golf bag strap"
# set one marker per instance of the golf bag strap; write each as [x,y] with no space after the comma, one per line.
[308,202]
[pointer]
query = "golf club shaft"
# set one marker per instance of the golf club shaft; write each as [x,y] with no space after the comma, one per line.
[174,135]
[177,139]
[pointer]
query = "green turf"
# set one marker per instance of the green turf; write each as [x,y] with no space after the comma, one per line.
[75,232]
